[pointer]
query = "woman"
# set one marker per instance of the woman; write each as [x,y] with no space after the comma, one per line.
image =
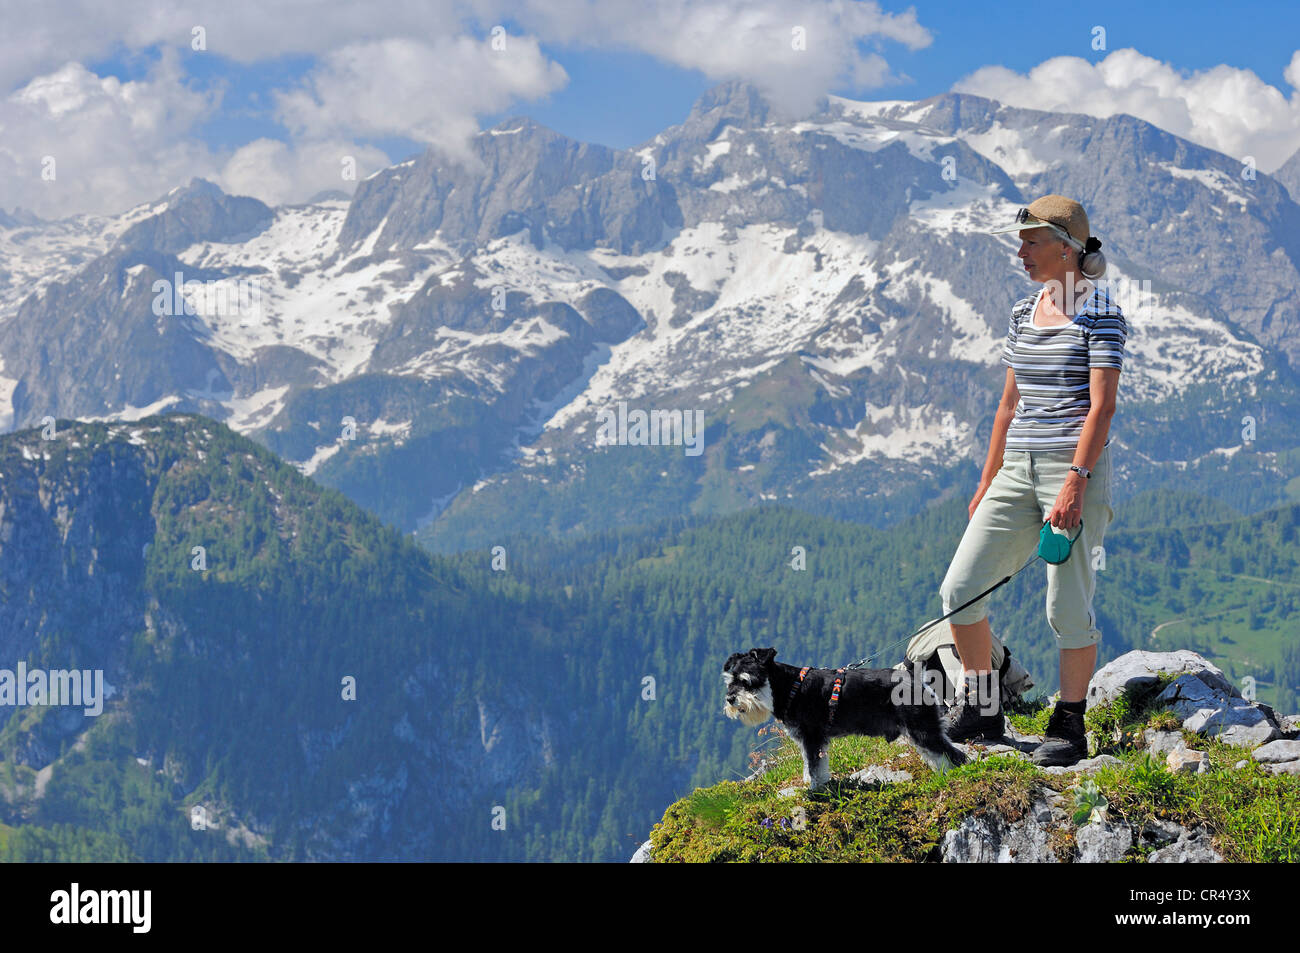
[1048,460]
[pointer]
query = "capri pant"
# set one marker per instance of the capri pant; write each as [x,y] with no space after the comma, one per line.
[1003,533]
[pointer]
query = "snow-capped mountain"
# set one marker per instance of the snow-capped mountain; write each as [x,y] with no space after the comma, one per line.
[820,289]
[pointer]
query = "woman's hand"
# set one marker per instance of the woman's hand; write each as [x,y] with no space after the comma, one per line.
[975,500]
[1067,511]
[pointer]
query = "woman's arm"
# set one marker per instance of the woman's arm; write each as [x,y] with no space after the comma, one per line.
[1001,422]
[1103,384]
[998,439]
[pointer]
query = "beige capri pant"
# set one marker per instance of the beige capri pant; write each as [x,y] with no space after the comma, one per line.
[1003,533]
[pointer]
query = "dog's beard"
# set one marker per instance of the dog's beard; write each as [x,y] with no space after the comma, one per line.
[750,708]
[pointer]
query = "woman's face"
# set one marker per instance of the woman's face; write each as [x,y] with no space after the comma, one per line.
[1041,252]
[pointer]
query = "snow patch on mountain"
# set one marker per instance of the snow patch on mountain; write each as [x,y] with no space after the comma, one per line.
[874,137]
[768,302]
[322,454]
[1022,153]
[255,410]
[7,385]
[894,432]
[32,257]
[332,311]
[1216,180]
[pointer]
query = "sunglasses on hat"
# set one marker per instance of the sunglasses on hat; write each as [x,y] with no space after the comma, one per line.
[1025,219]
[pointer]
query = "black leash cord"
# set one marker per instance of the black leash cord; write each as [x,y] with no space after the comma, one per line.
[863,662]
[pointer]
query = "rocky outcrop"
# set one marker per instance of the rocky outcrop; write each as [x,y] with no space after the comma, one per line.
[1208,706]
[1138,669]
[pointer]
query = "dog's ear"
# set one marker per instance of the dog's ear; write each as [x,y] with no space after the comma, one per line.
[764,656]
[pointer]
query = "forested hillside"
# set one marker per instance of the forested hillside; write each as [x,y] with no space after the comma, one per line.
[568,694]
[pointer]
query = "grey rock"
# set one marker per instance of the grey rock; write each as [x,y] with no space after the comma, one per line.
[1103,842]
[1240,764]
[1021,752]
[1086,766]
[789,792]
[1057,802]
[1289,725]
[1277,751]
[879,774]
[1288,173]
[1160,743]
[976,841]
[1159,832]
[1248,736]
[1216,711]
[199,212]
[1025,842]
[1192,847]
[524,177]
[987,838]
[1284,767]
[642,855]
[1140,668]
[1184,760]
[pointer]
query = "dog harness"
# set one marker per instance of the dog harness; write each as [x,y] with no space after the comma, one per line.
[794,689]
[835,689]
[835,694]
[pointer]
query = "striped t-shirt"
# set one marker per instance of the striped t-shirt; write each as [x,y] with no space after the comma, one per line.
[1052,369]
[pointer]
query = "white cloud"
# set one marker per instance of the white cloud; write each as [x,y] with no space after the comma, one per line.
[416,69]
[1224,108]
[427,91]
[277,172]
[40,36]
[112,144]
[740,39]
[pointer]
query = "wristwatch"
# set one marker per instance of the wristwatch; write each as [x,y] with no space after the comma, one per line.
[1083,471]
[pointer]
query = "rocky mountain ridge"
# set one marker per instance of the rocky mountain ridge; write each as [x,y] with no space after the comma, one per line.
[820,289]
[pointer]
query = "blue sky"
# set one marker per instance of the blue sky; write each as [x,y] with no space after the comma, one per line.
[284,117]
[608,100]
[622,97]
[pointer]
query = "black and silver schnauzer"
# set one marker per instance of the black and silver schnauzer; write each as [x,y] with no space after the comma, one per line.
[817,704]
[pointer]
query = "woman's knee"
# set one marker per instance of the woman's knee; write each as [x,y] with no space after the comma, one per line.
[1075,625]
[955,591]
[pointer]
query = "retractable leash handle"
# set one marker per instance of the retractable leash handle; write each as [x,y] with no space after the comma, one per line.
[1050,545]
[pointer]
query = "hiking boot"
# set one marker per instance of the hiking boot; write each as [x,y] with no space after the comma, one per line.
[966,722]
[1065,742]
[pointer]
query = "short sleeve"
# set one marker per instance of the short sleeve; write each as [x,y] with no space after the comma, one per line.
[1009,349]
[1106,339]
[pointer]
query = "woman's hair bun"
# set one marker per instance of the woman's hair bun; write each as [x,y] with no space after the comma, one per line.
[1091,261]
